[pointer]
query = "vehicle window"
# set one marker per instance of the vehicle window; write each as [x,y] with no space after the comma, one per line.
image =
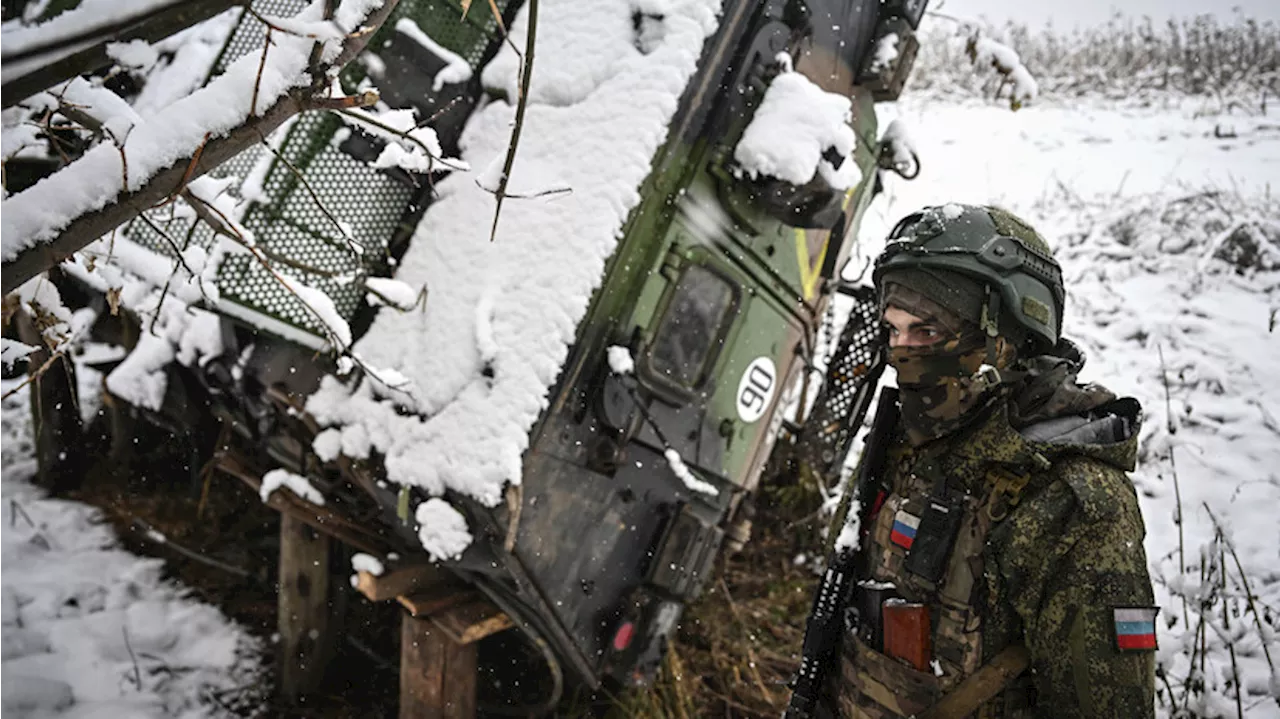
[691,328]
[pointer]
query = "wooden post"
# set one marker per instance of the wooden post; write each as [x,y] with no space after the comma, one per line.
[437,675]
[55,412]
[306,616]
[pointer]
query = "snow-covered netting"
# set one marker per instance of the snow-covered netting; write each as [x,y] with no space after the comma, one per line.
[479,361]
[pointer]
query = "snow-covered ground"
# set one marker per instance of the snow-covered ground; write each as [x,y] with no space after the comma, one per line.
[91,630]
[1137,202]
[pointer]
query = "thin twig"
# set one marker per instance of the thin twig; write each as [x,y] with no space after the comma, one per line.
[155,536]
[137,673]
[35,376]
[373,121]
[343,232]
[262,64]
[177,253]
[14,510]
[1250,598]
[1177,489]
[1226,628]
[525,78]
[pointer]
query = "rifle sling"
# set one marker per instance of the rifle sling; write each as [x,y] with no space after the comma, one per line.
[981,686]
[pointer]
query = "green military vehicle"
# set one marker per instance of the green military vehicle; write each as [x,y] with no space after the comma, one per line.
[716,292]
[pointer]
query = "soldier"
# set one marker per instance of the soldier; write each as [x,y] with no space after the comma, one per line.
[1001,561]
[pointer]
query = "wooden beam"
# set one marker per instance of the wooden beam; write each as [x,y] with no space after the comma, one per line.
[402,580]
[430,603]
[320,518]
[307,634]
[437,675]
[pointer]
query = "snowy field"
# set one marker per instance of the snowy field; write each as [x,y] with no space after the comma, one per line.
[1142,204]
[91,630]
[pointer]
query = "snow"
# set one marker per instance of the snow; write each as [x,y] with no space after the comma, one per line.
[12,350]
[134,55]
[796,123]
[886,51]
[456,69]
[676,462]
[480,360]
[362,562]
[441,529]
[90,629]
[327,445]
[322,307]
[849,536]
[1142,205]
[43,303]
[194,52]
[620,360]
[299,485]
[384,290]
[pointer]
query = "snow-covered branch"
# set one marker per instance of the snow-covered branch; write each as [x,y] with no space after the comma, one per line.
[164,152]
[79,41]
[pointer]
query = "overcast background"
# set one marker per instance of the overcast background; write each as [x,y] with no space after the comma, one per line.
[1068,14]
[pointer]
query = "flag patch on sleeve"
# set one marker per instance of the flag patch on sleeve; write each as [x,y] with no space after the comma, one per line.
[1135,628]
[904,529]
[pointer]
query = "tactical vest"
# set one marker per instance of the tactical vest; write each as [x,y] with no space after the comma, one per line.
[925,547]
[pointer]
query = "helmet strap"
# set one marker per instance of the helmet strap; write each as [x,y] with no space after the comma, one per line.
[990,323]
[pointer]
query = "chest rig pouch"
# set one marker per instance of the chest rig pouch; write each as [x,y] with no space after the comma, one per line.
[925,548]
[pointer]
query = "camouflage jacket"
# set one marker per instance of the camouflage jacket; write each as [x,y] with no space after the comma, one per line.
[1056,566]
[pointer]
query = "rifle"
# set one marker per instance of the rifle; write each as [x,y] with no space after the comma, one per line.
[826,623]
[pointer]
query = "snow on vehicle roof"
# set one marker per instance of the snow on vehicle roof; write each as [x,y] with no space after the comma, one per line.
[501,315]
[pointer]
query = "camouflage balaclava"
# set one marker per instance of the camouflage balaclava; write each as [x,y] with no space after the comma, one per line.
[941,385]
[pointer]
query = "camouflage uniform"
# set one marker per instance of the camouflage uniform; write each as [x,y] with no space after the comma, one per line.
[1048,547]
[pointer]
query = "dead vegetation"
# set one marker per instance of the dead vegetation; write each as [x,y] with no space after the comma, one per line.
[739,644]
[1235,60]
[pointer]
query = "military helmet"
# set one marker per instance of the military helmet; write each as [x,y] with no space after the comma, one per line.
[994,247]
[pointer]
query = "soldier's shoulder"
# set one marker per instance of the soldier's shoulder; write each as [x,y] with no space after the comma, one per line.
[1101,490]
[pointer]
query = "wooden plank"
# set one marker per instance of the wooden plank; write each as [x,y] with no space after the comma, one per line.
[471,622]
[428,603]
[437,675]
[307,635]
[402,580]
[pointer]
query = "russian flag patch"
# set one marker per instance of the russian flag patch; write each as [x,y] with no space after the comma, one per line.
[1135,628]
[904,529]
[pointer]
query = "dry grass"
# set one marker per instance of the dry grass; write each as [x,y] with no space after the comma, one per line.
[739,644]
[1234,60]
